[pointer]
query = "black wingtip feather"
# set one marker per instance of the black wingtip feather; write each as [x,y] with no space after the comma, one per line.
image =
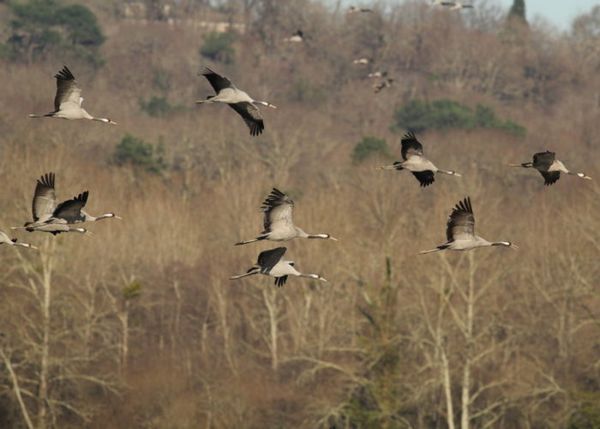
[409,135]
[257,128]
[464,205]
[82,197]
[425,178]
[64,74]
[272,199]
[47,180]
[280,281]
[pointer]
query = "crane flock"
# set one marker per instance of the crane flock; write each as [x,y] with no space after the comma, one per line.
[277,208]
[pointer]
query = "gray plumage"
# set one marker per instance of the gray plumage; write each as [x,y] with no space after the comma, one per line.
[271,263]
[238,100]
[72,211]
[414,161]
[549,167]
[278,223]
[46,212]
[68,100]
[460,231]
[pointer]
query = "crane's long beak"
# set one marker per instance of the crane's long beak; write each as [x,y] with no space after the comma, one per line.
[514,247]
[386,167]
[118,217]
[515,165]
[333,238]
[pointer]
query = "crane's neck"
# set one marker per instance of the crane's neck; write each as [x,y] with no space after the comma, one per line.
[321,236]
[313,276]
[265,103]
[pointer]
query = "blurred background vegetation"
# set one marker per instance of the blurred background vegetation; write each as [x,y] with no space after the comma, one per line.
[139,326]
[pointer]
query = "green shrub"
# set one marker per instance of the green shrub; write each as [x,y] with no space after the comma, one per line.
[419,116]
[303,90]
[40,26]
[587,415]
[218,47]
[156,106]
[368,147]
[136,152]
[162,80]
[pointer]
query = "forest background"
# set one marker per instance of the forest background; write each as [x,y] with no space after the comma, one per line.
[138,325]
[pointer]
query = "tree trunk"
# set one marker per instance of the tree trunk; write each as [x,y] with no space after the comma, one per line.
[124,319]
[271,304]
[447,388]
[466,382]
[47,259]
[17,389]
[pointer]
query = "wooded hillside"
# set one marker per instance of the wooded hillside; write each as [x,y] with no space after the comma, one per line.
[139,326]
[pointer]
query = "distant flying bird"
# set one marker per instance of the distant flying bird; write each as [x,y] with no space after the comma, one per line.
[415,162]
[270,263]
[454,5]
[377,74]
[354,9]
[238,100]
[44,207]
[297,37]
[549,167]
[361,61]
[460,231]
[68,100]
[5,239]
[278,223]
[385,83]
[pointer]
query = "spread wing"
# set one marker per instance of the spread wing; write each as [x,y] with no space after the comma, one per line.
[411,146]
[70,210]
[251,116]
[217,81]
[66,89]
[278,210]
[425,178]
[461,224]
[268,258]
[44,197]
[550,177]
[543,160]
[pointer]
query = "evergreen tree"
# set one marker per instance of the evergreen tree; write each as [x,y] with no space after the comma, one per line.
[517,10]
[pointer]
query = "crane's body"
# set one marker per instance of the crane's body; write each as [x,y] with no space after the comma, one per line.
[271,263]
[68,100]
[278,222]
[238,100]
[415,162]
[549,167]
[56,219]
[297,37]
[460,231]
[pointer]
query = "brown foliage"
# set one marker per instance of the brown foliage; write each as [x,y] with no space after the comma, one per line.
[369,349]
